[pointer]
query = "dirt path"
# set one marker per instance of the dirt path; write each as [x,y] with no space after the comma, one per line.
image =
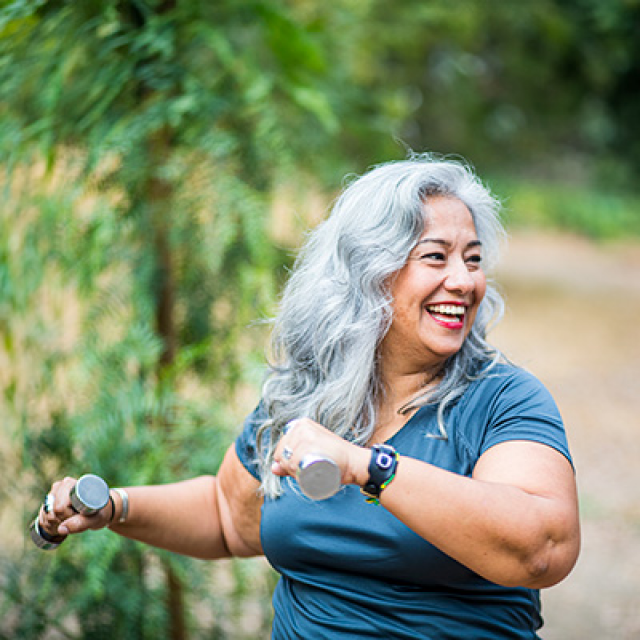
[573,319]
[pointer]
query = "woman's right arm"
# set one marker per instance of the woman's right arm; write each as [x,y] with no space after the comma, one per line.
[205,517]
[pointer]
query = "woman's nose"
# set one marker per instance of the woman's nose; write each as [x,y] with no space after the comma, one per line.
[459,278]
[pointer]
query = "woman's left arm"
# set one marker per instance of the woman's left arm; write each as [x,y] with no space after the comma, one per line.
[514,522]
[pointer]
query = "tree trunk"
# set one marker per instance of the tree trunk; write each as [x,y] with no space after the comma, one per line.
[175,603]
[159,193]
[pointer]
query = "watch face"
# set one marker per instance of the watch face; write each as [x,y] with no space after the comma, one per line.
[384,460]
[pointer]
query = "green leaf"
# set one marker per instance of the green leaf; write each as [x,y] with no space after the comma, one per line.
[317,104]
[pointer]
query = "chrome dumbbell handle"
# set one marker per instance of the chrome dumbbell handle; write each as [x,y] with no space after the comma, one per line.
[318,476]
[89,495]
[42,539]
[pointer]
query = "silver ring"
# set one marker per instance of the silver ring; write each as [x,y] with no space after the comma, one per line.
[287,453]
[48,503]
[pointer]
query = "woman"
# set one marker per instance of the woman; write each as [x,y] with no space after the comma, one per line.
[381,364]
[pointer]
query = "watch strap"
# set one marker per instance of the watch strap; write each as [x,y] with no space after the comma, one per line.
[382,470]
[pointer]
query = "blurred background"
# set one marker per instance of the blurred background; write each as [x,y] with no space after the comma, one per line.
[160,162]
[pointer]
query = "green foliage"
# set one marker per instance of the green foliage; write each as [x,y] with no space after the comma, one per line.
[251,81]
[591,212]
[140,143]
[521,85]
[95,403]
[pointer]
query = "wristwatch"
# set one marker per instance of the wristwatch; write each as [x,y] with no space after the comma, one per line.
[382,470]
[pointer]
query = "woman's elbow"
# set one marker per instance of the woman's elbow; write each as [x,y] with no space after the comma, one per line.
[552,563]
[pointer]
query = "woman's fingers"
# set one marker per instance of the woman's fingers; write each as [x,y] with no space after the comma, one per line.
[302,437]
[298,436]
[56,506]
[58,517]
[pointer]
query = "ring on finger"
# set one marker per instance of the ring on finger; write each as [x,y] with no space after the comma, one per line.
[48,503]
[287,453]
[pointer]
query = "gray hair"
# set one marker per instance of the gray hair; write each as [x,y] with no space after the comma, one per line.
[336,307]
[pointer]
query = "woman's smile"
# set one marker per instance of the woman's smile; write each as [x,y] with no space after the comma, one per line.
[450,315]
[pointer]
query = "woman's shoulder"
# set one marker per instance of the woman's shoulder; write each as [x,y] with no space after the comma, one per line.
[509,403]
[503,376]
[504,392]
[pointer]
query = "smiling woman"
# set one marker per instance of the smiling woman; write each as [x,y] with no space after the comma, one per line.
[381,364]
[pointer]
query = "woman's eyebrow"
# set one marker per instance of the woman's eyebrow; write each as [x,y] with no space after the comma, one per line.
[435,241]
[445,243]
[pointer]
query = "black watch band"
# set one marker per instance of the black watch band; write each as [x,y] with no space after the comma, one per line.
[382,470]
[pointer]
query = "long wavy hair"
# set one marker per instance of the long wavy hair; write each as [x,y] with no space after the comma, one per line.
[336,307]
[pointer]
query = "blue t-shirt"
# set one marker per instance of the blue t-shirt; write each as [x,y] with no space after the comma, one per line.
[352,570]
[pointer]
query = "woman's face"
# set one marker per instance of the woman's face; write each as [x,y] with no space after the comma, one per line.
[437,293]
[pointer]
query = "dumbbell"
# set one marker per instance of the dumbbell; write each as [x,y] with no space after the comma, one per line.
[318,476]
[89,495]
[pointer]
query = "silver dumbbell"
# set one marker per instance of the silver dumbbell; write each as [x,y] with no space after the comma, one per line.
[89,495]
[318,476]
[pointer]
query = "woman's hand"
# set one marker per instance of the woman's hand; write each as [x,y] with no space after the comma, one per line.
[304,436]
[60,519]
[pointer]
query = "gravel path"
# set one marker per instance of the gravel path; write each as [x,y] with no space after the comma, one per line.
[573,319]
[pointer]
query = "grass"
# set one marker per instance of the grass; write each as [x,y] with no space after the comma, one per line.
[581,209]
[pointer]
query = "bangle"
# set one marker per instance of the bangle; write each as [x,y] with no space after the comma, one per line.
[113,508]
[124,496]
[382,470]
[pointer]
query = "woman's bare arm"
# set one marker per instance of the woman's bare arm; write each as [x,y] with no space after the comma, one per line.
[515,522]
[205,517]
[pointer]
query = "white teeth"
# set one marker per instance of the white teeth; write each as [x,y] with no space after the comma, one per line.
[447,309]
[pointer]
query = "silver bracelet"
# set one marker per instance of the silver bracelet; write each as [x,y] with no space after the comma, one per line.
[124,496]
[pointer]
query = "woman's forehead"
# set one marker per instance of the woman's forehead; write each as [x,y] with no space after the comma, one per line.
[447,216]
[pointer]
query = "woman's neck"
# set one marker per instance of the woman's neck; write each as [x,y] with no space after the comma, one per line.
[401,386]
[400,389]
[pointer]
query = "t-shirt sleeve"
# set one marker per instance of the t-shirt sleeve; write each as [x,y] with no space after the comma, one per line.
[246,442]
[521,408]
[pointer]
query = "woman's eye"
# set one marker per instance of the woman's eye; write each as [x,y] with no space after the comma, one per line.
[474,260]
[438,256]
